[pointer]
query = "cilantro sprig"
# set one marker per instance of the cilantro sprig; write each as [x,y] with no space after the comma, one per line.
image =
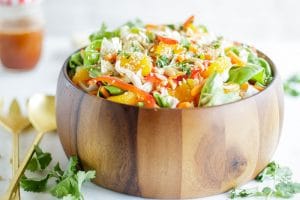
[292,85]
[68,183]
[282,185]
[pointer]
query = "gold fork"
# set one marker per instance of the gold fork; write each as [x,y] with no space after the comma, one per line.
[14,122]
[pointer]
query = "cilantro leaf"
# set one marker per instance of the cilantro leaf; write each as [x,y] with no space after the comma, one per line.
[71,168]
[282,187]
[83,177]
[269,171]
[185,67]
[71,185]
[68,182]
[34,185]
[65,187]
[39,161]
[292,86]
[57,172]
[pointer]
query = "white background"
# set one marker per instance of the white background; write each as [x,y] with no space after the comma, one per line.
[271,25]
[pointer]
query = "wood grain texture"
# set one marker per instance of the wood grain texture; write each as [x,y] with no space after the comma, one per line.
[170,153]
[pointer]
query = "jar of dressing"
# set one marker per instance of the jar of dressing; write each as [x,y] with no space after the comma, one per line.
[21,33]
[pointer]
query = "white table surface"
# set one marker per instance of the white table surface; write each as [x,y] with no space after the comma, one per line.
[43,80]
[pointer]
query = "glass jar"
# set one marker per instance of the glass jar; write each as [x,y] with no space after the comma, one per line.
[21,33]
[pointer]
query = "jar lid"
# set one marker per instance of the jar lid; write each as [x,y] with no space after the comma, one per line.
[16,2]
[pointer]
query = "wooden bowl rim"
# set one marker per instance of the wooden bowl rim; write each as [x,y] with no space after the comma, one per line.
[260,53]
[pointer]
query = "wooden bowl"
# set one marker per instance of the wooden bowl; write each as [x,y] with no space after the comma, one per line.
[170,153]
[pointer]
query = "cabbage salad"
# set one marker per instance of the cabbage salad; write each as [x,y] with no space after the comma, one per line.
[168,66]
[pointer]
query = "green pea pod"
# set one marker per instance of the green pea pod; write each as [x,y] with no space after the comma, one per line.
[90,57]
[94,72]
[161,100]
[113,90]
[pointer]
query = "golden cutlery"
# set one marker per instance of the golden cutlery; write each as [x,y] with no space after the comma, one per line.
[14,122]
[41,113]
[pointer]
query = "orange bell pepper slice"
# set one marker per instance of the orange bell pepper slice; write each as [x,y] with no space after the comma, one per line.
[166,40]
[143,96]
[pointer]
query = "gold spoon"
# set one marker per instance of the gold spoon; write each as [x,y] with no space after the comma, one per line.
[41,113]
[14,123]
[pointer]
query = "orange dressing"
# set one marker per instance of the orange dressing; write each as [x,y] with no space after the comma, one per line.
[20,45]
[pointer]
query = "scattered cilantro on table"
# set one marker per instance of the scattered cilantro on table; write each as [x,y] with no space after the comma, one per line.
[292,85]
[67,183]
[282,185]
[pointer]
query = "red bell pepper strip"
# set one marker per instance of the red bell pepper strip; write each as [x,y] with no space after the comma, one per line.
[188,22]
[166,40]
[148,99]
[195,73]
[153,79]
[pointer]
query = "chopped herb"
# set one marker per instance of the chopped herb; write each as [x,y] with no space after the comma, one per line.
[171,26]
[185,67]
[282,186]
[185,43]
[162,61]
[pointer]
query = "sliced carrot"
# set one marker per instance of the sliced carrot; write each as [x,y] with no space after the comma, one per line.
[166,40]
[235,59]
[188,22]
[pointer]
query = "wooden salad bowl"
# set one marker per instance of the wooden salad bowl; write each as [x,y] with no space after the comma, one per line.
[170,153]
